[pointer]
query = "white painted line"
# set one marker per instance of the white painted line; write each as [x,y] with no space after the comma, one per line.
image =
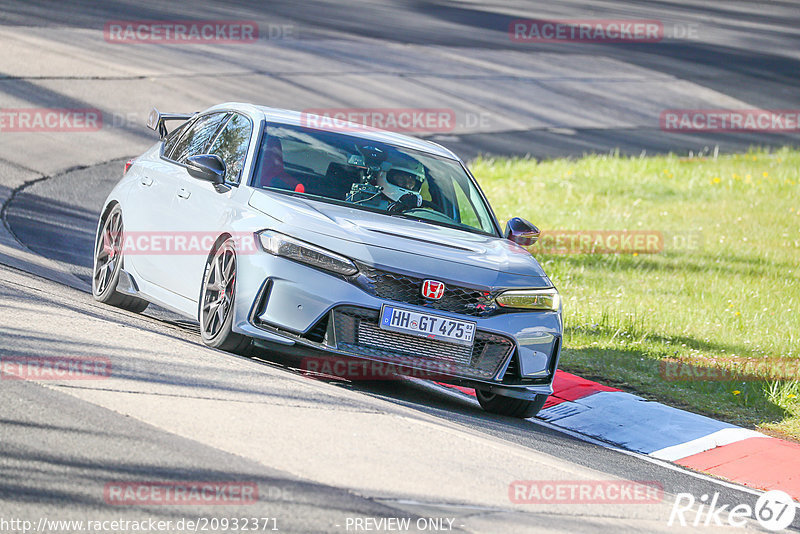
[726,436]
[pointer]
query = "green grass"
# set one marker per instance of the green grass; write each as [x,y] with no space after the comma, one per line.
[728,298]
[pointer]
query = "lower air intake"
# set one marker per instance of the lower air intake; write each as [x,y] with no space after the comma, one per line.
[358,333]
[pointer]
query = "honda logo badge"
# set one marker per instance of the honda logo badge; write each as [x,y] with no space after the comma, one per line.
[432,289]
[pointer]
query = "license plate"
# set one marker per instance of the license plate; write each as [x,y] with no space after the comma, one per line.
[427,325]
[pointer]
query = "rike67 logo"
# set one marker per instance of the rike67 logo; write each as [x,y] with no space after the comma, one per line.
[774,510]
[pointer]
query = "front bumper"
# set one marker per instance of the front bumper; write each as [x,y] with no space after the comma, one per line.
[515,354]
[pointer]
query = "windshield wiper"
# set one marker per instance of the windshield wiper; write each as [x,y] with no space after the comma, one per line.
[404,216]
[453,225]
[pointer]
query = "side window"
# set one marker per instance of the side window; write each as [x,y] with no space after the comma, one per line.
[197,137]
[172,138]
[231,145]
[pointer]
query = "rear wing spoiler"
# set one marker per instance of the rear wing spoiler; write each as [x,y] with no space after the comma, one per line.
[156,120]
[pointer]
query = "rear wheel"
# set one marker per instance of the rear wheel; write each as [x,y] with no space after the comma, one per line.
[217,300]
[108,264]
[493,403]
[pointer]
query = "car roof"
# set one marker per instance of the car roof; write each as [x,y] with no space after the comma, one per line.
[298,118]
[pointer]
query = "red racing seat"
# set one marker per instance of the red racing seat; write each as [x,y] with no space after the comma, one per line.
[272,173]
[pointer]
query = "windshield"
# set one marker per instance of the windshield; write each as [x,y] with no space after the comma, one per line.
[370,175]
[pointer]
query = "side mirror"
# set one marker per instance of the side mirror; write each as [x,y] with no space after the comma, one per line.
[521,232]
[208,167]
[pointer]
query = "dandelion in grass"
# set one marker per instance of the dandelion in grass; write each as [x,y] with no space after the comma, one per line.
[736,392]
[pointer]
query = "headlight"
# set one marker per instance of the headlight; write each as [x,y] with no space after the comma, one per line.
[530,299]
[300,251]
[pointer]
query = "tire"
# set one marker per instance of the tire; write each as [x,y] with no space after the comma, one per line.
[217,301]
[108,262]
[509,406]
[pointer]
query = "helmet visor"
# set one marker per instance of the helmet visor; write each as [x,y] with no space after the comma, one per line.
[404,179]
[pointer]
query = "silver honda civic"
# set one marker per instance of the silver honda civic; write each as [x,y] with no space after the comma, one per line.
[282,230]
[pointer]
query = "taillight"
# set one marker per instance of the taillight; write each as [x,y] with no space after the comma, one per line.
[127,166]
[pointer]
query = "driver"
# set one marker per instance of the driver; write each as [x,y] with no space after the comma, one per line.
[401,184]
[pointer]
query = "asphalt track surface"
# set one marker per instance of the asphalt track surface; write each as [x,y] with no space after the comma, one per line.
[546,100]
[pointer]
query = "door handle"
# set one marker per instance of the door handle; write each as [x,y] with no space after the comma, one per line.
[146,181]
[184,193]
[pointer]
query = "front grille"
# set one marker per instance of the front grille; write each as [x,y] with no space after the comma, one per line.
[408,289]
[357,332]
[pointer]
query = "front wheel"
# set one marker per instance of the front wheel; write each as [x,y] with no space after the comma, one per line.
[108,264]
[217,300]
[509,406]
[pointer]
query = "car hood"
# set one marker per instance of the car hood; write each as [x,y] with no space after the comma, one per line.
[409,245]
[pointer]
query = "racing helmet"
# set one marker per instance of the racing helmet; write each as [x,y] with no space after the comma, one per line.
[402,178]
